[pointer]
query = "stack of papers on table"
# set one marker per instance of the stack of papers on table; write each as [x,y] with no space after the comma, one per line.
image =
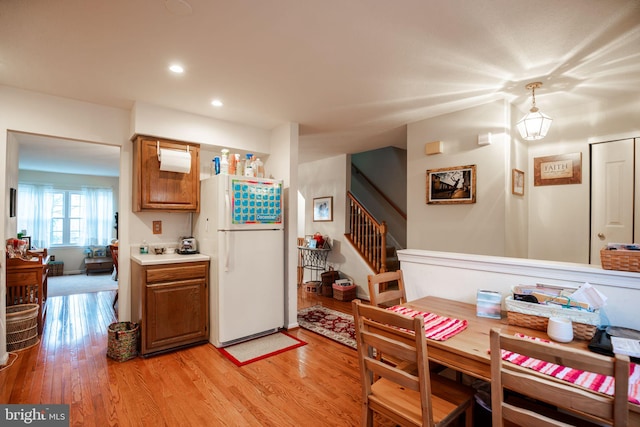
[627,346]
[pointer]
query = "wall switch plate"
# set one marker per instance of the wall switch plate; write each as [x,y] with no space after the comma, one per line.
[157,227]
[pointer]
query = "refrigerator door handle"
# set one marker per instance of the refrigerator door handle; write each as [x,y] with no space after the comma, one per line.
[227,210]
[226,250]
[227,220]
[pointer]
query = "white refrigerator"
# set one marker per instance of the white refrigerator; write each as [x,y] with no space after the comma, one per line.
[241,227]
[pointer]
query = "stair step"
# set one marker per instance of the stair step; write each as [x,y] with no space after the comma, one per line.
[393,264]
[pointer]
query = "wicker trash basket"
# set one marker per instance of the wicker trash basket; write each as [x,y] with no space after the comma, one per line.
[22,326]
[123,341]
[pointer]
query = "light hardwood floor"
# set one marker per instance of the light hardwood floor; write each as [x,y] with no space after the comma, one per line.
[314,385]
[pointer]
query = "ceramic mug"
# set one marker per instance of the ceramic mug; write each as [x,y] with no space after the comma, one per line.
[560,329]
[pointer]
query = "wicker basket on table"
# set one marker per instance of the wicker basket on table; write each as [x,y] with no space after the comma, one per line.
[536,316]
[620,259]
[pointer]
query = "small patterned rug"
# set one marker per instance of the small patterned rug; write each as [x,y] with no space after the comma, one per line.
[329,323]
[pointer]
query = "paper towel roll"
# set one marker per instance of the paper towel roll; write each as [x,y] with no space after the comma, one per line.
[175,161]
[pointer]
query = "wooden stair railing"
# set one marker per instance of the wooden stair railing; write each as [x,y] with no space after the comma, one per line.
[367,235]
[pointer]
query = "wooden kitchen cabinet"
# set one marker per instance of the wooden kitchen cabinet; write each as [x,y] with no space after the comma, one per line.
[171,304]
[156,190]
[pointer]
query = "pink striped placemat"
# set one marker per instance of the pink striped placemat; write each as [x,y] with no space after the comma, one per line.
[596,382]
[438,328]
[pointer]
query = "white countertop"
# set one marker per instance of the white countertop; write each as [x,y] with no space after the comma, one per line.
[152,259]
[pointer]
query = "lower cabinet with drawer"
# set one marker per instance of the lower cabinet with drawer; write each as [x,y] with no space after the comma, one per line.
[171,303]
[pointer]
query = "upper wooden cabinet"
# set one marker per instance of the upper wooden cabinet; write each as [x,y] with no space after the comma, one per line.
[156,190]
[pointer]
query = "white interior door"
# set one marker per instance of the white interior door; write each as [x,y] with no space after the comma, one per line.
[612,194]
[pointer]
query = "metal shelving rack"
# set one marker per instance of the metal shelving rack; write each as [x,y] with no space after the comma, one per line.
[315,260]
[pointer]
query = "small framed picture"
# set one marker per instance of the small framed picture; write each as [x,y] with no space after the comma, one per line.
[27,239]
[307,240]
[517,182]
[323,209]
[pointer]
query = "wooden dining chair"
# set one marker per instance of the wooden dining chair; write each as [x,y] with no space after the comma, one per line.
[563,403]
[405,398]
[383,290]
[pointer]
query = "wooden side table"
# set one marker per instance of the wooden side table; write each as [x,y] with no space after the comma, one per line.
[100,263]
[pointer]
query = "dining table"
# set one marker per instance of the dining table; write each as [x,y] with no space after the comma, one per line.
[467,352]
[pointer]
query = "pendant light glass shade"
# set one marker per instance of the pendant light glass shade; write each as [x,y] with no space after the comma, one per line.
[535,124]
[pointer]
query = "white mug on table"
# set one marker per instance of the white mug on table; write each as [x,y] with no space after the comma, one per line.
[560,329]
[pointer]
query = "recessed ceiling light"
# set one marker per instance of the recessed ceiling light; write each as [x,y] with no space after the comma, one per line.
[177,69]
[216,103]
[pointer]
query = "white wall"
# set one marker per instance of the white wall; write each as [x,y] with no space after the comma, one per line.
[162,122]
[32,112]
[548,222]
[471,228]
[283,164]
[323,178]
[563,210]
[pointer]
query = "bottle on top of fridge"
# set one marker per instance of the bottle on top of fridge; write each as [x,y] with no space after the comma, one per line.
[239,165]
[215,166]
[248,166]
[258,168]
[233,164]
[224,162]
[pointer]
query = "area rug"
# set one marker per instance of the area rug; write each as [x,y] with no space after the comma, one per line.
[329,323]
[72,284]
[260,348]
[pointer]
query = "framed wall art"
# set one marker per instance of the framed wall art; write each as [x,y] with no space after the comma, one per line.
[557,170]
[323,209]
[455,185]
[517,182]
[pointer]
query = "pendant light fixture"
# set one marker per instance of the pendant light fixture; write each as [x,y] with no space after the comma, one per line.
[535,124]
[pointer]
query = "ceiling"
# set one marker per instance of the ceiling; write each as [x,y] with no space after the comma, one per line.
[352,73]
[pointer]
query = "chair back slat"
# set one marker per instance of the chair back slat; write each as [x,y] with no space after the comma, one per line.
[382,288]
[598,407]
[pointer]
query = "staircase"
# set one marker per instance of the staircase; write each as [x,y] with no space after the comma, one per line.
[392,263]
[369,238]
